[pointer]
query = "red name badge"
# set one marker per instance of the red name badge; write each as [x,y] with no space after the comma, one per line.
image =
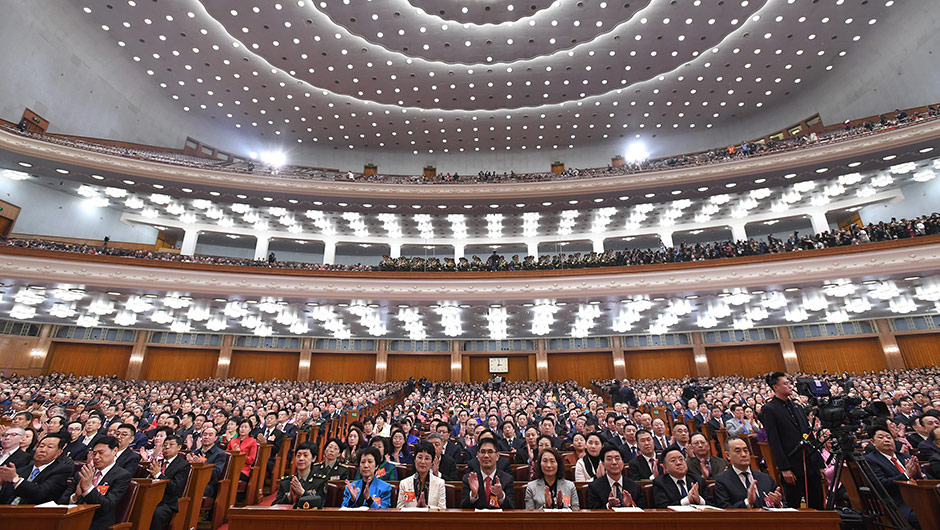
[380,472]
[377,500]
[409,496]
[494,502]
[102,489]
[566,501]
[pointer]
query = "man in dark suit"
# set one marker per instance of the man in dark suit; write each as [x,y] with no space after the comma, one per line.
[614,489]
[923,426]
[444,466]
[715,423]
[126,457]
[890,466]
[740,486]
[677,487]
[785,423]
[452,448]
[629,449]
[488,488]
[212,454]
[905,411]
[645,466]
[75,450]
[91,431]
[701,462]
[283,423]
[510,440]
[41,481]
[660,439]
[175,469]
[271,435]
[10,452]
[99,482]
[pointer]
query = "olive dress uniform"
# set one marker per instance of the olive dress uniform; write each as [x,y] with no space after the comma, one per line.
[314,485]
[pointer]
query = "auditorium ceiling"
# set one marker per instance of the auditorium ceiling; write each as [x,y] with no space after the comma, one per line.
[484,76]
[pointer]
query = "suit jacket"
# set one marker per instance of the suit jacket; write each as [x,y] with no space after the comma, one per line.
[435,496]
[628,452]
[887,473]
[505,480]
[666,493]
[735,427]
[640,469]
[658,445]
[599,492]
[731,493]
[380,494]
[717,465]
[535,494]
[216,457]
[129,460]
[448,468]
[714,425]
[177,473]
[47,486]
[114,485]
[505,446]
[927,450]
[18,458]
[274,439]
[76,450]
[289,430]
[915,439]
[784,432]
[454,449]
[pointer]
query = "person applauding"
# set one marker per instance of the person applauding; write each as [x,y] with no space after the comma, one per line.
[368,491]
[487,488]
[422,489]
[550,489]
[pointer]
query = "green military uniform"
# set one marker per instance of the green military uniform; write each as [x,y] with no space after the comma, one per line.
[307,500]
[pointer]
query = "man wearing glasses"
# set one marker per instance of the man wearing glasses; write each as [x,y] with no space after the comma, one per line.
[10,452]
[126,457]
[488,488]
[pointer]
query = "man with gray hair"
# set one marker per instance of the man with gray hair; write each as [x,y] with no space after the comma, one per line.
[443,465]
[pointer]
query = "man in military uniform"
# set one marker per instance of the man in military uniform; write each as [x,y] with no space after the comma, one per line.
[300,489]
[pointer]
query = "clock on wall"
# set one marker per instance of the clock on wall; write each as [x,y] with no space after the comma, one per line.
[499,365]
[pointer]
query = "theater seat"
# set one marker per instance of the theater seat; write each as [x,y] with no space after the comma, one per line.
[122,513]
[648,493]
[452,492]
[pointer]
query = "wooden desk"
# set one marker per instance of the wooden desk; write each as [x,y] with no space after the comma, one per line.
[149,495]
[278,518]
[59,518]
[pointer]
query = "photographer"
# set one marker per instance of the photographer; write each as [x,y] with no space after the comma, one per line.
[799,464]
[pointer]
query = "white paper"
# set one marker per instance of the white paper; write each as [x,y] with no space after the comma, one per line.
[415,509]
[681,508]
[628,509]
[358,508]
[52,504]
[485,510]
[781,509]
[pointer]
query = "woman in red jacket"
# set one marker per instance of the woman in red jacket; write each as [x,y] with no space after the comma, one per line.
[245,444]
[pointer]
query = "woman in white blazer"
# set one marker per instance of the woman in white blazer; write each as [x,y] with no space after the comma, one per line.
[422,489]
[550,489]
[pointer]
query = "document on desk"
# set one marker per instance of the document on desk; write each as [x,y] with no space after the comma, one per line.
[52,504]
[356,509]
[695,508]
[628,509]
[415,509]
[781,509]
[485,510]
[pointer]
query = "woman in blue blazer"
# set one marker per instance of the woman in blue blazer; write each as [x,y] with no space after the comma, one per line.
[368,491]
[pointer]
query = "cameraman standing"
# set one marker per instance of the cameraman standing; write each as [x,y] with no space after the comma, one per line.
[799,464]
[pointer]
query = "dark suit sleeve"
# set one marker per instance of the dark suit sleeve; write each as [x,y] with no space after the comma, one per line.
[661,498]
[636,491]
[177,481]
[283,492]
[723,497]
[465,494]
[49,485]
[886,474]
[594,502]
[770,419]
[509,501]
[117,487]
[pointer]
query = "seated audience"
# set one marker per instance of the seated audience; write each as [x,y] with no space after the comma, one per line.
[742,487]
[890,466]
[174,468]
[645,466]
[300,488]
[487,488]
[422,489]
[43,480]
[126,457]
[550,489]
[701,462]
[99,482]
[676,486]
[590,466]
[368,491]
[10,451]
[613,489]
[246,444]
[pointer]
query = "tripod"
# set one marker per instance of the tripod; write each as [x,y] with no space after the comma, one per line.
[878,506]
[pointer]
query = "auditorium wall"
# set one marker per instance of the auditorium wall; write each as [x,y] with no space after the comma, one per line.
[582,367]
[177,364]
[670,363]
[342,367]
[90,359]
[748,361]
[50,212]
[837,355]
[264,365]
[15,355]
[920,350]
[402,367]
[476,368]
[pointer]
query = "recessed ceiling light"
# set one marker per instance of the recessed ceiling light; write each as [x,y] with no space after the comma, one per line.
[855,164]
[63,171]
[760,181]
[97,177]
[792,289]
[128,182]
[911,278]
[703,188]
[889,157]
[186,190]
[25,164]
[158,186]
[546,203]
[789,175]
[926,150]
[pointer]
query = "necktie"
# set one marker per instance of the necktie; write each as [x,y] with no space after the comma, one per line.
[33,474]
[747,479]
[488,488]
[97,478]
[897,464]
[682,491]
[617,491]
[163,467]
[705,470]
[652,466]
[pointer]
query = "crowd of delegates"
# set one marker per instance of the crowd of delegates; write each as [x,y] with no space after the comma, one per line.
[898,118]
[500,432]
[851,235]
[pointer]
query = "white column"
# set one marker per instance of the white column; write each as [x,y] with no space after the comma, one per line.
[666,238]
[459,250]
[261,246]
[738,232]
[533,248]
[329,252]
[598,245]
[188,248]
[394,250]
[820,223]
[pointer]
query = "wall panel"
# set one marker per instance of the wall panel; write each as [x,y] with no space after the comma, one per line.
[264,366]
[89,359]
[434,367]
[670,363]
[177,364]
[342,367]
[749,361]
[920,350]
[521,367]
[582,367]
[15,354]
[854,355]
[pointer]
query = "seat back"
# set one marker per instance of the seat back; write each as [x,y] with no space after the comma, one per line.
[334,493]
[452,492]
[648,493]
[122,513]
[582,494]
[394,499]
[519,492]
